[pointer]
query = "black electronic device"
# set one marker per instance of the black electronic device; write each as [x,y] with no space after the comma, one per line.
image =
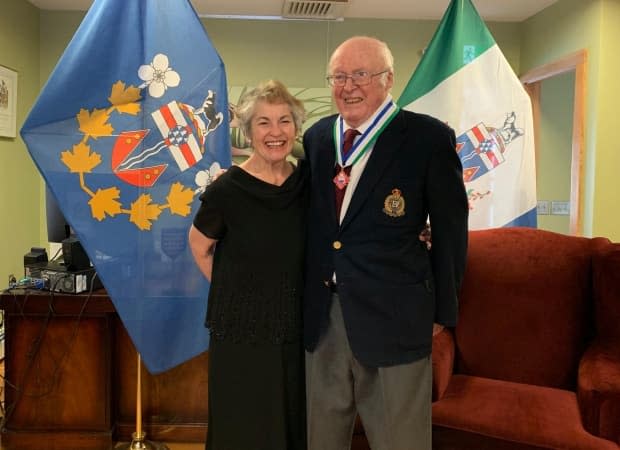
[58,228]
[73,254]
[34,260]
[59,231]
[61,279]
[35,255]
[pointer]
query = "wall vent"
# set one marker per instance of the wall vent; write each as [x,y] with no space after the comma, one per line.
[314,9]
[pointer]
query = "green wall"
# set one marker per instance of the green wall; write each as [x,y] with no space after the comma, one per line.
[606,207]
[296,52]
[553,156]
[562,29]
[20,199]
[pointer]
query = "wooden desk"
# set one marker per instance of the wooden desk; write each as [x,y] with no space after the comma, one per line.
[70,378]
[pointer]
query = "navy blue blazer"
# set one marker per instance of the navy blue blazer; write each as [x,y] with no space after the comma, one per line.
[391,287]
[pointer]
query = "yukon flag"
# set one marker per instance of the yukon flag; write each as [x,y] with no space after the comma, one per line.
[464,80]
[127,132]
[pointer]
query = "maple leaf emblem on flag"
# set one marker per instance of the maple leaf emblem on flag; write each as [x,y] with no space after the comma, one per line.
[183,131]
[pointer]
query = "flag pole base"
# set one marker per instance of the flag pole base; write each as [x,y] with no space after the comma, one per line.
[139,443]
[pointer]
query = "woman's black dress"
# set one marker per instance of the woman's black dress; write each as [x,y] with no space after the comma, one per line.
[256,369]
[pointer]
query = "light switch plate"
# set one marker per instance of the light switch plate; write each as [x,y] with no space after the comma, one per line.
[542,207]
[560,208]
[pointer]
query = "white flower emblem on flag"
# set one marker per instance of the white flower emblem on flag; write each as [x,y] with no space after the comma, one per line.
[158,76]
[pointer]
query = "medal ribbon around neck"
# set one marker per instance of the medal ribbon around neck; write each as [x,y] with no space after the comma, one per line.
[360,147]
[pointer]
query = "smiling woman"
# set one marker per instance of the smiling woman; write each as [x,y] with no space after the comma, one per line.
[248,240]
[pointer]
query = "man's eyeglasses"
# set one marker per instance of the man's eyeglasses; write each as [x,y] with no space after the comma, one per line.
[359,78]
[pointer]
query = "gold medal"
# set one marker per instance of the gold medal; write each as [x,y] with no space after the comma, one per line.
[394,204]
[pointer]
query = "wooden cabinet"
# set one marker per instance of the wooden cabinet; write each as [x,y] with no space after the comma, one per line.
[70,378]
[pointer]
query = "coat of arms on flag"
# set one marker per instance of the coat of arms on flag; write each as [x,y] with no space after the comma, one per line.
[183,133]
[128,130]
[482,148]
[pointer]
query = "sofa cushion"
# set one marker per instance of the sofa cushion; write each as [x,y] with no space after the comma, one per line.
[525,306]
[534,416]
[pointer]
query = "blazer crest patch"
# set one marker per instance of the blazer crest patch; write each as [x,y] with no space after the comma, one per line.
[394,204]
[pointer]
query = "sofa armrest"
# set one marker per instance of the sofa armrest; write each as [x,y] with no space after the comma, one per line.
[598,391]
[443,361]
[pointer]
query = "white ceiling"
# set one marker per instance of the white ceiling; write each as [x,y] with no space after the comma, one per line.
[490,10]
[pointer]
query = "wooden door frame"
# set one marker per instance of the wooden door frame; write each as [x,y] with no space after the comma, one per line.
[532,81]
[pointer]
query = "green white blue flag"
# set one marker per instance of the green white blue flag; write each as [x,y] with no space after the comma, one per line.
[464,80]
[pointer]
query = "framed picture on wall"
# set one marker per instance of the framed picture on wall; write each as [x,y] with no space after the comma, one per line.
[8,102]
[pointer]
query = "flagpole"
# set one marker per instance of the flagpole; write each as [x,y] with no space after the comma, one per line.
[138,441]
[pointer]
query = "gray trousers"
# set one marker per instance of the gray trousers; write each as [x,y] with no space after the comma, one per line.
[394,403]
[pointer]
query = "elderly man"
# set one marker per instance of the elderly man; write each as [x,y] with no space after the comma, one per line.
[374,294]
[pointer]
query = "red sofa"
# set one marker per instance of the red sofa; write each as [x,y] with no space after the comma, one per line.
[534,362]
